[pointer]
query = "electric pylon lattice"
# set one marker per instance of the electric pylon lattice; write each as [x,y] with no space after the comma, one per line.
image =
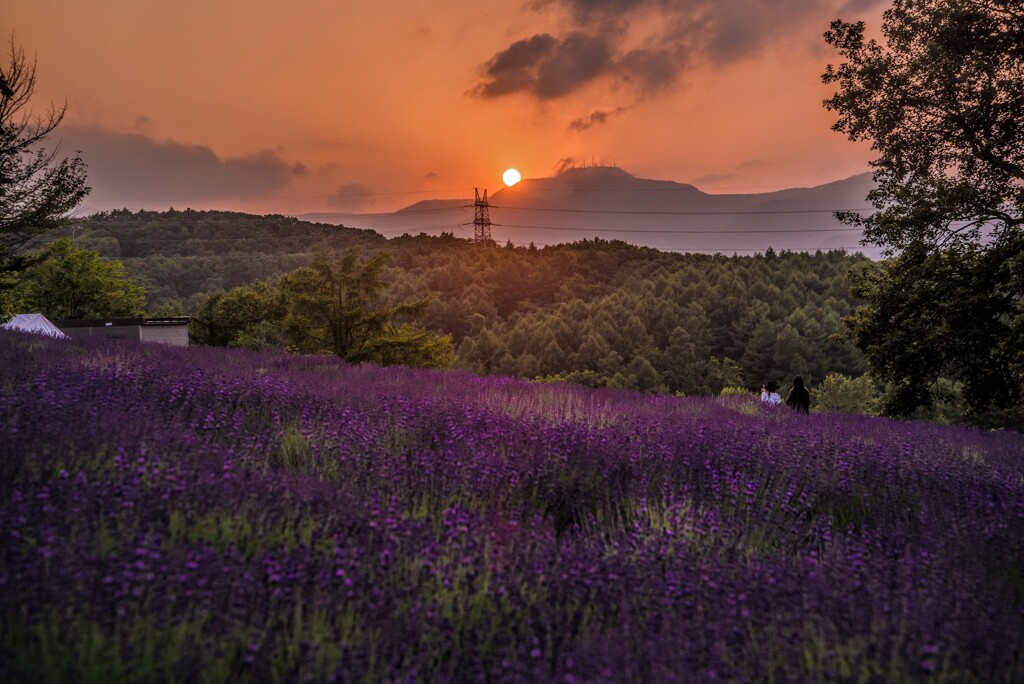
[481,219]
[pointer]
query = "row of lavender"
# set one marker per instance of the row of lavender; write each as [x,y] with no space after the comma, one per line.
[194,514]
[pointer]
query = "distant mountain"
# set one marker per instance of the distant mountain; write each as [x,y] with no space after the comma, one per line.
[609,203]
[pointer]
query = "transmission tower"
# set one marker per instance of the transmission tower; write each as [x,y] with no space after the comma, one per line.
[481,219]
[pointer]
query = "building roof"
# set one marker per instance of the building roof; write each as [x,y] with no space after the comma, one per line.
[102,322]
[33,323]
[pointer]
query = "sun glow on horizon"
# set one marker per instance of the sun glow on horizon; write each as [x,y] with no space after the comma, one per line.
[511,177]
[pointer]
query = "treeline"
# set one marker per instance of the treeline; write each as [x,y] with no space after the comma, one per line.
[608,314]
[176,255]
[594,312]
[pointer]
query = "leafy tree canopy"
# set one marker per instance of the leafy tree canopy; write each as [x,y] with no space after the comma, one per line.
[68,282]
[941,100]
[334,305]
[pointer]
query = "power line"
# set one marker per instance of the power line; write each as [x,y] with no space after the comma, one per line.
[683,231]
[681,213]
[250,198]
[710,250]
[462,227]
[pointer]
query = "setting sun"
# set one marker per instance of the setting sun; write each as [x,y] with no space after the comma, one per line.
[511,177]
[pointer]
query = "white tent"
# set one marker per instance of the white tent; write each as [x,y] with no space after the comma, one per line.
[33,323]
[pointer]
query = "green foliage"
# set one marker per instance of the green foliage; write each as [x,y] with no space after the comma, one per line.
[37,189]
[942,102]
[68,282]
[331,306]
[244,317]
[335,305]
[838,393]
[180,254]
[934,313]
[723,373]
[410,345]
[598,313]
[8,304]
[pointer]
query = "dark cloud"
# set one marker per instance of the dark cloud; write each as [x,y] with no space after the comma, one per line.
[652,69]
[300,169]
[544,66]
[579,58]
[595,47]
[430,175]
[729,30]
[595,118]
[351,197]
[859,6]
[514,69]
[589,10]
[136,170]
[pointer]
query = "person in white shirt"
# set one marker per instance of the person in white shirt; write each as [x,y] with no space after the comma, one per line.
[770,393]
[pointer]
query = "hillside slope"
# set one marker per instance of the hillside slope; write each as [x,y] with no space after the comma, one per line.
[232,516]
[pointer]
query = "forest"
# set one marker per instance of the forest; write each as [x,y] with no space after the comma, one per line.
[599,313]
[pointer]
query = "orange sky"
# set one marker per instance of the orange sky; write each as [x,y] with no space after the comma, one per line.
[319,105]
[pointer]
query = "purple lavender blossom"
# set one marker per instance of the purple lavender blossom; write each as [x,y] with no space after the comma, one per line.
[241,516]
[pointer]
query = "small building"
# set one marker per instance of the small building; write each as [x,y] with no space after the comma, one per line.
[33,323]
[172,331]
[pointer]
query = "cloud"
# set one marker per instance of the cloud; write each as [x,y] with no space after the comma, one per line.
[736,173]
[645,45]
[859,6]
[351,197]
[595,118]
[589,10]
[136,170]
[430,175]
[712,178]
[544,66]
[652,69]
[754,164]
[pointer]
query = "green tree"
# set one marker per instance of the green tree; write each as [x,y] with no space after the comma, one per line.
[684,363]
[945,314]
[723,373]
[248,316]
[838,393]
[37,187]
[68,282]
[942,102]
[334,305]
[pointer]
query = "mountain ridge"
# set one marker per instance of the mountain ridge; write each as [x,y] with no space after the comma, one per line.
[610,203]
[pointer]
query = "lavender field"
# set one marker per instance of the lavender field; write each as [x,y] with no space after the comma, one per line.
[222,516]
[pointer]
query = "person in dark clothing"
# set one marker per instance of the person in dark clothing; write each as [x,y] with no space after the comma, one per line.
[799,398]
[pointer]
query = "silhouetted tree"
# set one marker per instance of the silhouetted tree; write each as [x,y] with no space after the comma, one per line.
[37,187]
[942,102]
